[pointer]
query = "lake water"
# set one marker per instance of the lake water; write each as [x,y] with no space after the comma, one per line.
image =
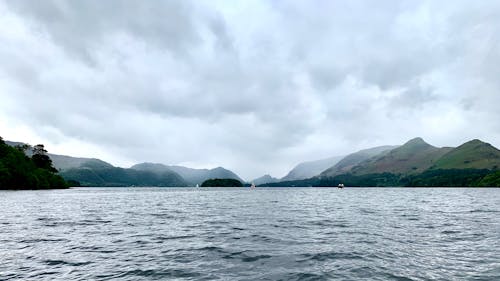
[242,234]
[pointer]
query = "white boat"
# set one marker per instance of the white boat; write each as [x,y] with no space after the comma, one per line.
[253,185]
[197,185]
[341,185]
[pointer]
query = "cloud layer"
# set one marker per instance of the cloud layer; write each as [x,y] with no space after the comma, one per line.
[255,86]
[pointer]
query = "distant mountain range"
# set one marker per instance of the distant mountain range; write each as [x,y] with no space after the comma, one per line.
[60,162]
[415,163]
[265,179]
[309,169]
[191,176]
[417,156]
[100,173]
[328,166]
[95,172]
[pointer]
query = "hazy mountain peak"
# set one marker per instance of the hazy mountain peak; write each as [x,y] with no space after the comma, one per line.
[309,169]
[149,166]
[192,176]
[95,163]
[265,179]
[476,142]
[418,141]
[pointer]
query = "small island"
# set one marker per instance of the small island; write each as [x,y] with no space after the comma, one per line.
[222,183]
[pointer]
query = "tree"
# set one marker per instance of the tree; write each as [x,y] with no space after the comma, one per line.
[18,171]
[22,147]
[41,159]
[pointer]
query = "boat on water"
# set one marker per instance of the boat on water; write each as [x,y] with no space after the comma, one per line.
[197,185]
[252,185]
[341,185]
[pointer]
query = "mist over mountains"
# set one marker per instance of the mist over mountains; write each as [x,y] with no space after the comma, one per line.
[190,175]
[95,172]
[309,169]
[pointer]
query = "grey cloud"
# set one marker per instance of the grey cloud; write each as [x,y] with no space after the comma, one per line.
[79,27]
[253,88]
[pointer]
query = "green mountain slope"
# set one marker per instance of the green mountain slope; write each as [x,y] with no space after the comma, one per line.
[474,154]
[99,173]
[413,157]
[353,159]
[492,180]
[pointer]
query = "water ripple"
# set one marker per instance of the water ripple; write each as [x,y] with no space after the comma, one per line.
[238,234]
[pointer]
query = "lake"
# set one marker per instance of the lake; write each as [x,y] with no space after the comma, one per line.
[243,234]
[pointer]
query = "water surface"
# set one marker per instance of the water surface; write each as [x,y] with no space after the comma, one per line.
[242,234]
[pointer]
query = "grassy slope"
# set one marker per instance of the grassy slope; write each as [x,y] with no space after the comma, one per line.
[99,173]
[413,157]
[474,154]
[353,159]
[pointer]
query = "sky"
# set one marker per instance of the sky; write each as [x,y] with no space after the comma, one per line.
[253,86]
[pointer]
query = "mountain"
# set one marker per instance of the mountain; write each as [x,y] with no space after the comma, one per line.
[413,157]
[416,163]
[100,173]
[14,143]
[191,176]
[95,172]
[61,162]
[353,159]
[309,169]
[474,154]
[265,179]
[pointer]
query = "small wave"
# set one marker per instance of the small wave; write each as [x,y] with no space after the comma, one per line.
[62,262]
[211,249]
[163,238]
[306,276]
[340,225]
[368,211]
[42,240]
[331,256]
[153,273]
[92,249]
[255,258]
[397,277]
[244,256]
[428,226]
[483,211]
[450,232]
[162,215]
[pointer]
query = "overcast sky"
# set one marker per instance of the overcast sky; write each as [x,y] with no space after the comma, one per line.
[253,86]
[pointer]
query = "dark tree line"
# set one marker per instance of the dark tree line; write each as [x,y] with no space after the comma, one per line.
[429,178]
[19,171]
[222,183]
